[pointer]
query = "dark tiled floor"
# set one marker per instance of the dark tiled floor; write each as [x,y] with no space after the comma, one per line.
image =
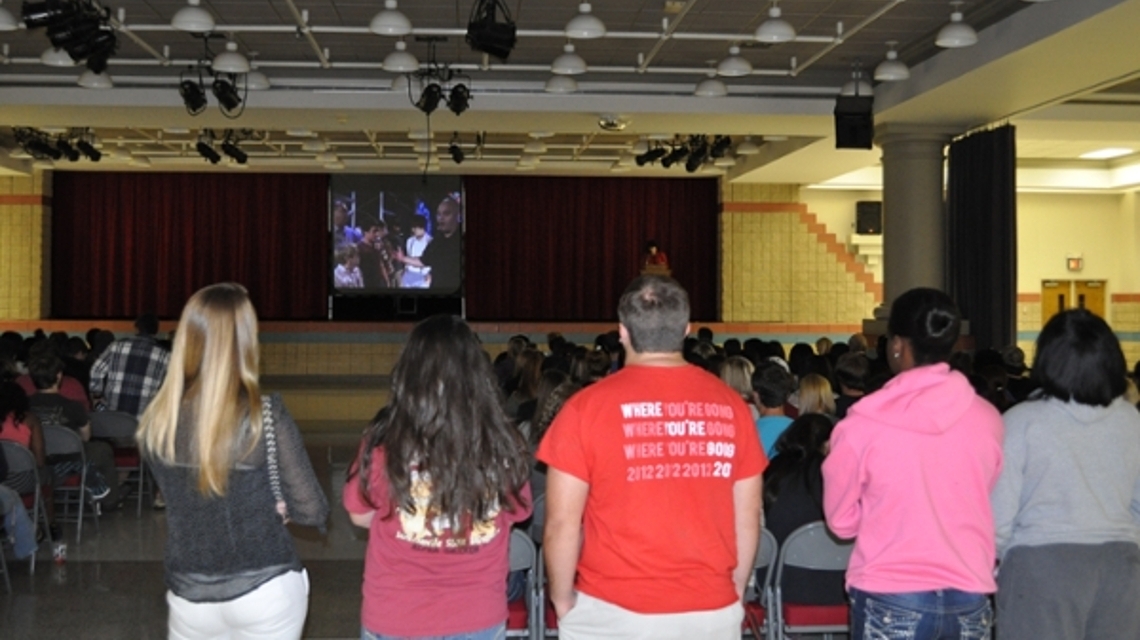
[112,583]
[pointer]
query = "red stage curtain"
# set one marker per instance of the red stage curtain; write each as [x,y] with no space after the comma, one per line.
[125,243]
[565,248]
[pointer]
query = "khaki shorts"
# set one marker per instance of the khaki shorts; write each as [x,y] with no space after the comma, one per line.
[592,618]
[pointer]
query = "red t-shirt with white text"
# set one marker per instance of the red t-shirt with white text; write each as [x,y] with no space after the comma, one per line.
[661,448]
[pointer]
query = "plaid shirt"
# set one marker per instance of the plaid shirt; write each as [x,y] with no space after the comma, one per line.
[129,373]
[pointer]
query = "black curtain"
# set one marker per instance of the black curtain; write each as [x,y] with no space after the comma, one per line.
[541,248]
[983,234]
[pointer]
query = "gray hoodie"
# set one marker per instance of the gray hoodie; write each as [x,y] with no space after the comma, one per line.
[1071,476]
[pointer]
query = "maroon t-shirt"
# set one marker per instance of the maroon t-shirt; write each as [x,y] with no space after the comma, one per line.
[418,581]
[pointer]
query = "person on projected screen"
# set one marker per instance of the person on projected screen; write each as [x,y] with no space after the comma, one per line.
[417,275]
[654,256]
[347,274]
[343,233]
[443,254]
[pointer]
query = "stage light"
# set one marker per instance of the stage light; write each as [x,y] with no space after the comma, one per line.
[697,156]
[720,145]
[456,153]
[649,157]
[225,90]
[430,98]
[205,146]
[485,34]
[192,96]
[459,98]
[676,155]
[67,150]
[231,149]
[36,144]
[41,14]
[86,148]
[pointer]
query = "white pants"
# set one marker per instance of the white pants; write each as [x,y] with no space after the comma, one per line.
[274,611]
[592,618]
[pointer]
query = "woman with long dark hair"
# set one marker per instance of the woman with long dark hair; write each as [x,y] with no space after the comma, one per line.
[441,478]
[1065,506]
[909,477]
[233,469]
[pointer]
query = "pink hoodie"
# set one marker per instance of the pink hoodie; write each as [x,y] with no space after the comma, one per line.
[909,477]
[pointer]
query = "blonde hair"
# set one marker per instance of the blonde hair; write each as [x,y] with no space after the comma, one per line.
[815,395]
[736,372]
[213,374]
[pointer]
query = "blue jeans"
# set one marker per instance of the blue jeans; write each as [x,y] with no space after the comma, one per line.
[497,632]
[946,614]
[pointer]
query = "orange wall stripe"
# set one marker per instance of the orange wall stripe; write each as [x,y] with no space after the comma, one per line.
[28,199]
[763,207]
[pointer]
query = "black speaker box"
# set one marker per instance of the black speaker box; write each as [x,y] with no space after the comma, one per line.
[854,122]
[869,217]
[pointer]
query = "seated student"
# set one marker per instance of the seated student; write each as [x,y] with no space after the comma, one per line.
[53,409]
[736,372]
[18,424]
[771,386]
[815,395]
[793,497]
[851,375]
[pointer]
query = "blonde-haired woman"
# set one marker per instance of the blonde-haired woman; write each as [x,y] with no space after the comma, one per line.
[816,396]
[736,372]
[233,469]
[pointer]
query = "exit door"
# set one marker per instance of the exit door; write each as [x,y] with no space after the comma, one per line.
[1059,295]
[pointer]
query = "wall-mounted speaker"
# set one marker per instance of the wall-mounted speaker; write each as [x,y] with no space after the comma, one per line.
[869,217]
[854,122]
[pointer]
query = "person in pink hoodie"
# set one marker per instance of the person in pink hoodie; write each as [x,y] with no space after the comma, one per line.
[909,477]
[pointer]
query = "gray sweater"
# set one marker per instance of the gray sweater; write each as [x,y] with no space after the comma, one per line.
[1071,475]
[219,548]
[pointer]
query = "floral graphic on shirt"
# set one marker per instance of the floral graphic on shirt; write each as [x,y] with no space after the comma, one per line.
[435,531]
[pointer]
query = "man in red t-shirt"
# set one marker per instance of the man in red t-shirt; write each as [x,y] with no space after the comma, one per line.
[653,497]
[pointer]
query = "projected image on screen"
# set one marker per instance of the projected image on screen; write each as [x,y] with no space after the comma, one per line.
[396,234]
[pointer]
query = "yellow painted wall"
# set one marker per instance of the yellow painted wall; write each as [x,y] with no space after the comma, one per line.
[25,254]
[780,264]
[1053,225]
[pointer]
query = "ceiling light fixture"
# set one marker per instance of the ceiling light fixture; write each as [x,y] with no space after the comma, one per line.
[256,81]
[857,86]
[775,29]
[747,147]
[230,61]
[534,147]
[569,63]
[91,80]
[733,66]
[390,22]
[193,18]
[53,57]
[400,61]
[1107,153]
[82,29]
[561,85]
[956,34]
[892,69]
[711,87]
[7,20]
[585,25]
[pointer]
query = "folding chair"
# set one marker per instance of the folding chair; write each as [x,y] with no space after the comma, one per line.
[21,460]
[758,593]
[813,547]
[119,429]
[71,488]
[522,615]
[537,519]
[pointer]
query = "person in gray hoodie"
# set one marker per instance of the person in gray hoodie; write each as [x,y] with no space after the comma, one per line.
[1067,504]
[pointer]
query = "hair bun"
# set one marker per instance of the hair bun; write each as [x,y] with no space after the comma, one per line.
[938,322]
